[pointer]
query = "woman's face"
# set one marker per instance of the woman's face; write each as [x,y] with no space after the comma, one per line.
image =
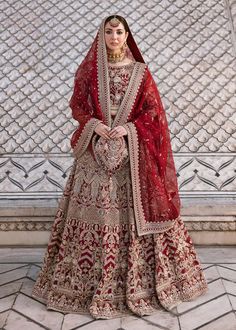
[115,37]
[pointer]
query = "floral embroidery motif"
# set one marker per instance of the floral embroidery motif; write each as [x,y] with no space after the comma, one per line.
[119,78]
[110,154]
[96,263]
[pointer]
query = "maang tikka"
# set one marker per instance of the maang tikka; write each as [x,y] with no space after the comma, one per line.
[114,22]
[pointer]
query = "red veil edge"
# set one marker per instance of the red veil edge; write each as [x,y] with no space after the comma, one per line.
[155,187]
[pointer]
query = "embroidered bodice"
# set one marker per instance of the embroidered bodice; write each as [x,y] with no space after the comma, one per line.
[119,77]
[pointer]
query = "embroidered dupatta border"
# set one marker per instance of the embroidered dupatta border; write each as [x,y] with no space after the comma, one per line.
[130,95]
[102,75]
[103,84]
[85,137]
[143,227]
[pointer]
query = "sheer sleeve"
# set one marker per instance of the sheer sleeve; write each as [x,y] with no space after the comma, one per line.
[82,105]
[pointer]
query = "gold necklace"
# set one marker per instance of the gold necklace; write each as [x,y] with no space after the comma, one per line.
[114,58]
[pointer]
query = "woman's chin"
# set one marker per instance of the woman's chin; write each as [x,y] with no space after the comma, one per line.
[114,49]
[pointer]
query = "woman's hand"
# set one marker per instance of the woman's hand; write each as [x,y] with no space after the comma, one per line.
[117,132]
[102,130]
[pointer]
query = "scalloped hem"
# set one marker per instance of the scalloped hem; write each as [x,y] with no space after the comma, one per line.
[145,306]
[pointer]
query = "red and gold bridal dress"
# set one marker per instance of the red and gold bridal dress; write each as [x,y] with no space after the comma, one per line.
[95,262]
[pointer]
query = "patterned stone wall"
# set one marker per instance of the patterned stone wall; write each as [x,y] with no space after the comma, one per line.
[190,48]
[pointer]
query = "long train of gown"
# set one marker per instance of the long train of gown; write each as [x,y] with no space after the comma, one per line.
[95,262]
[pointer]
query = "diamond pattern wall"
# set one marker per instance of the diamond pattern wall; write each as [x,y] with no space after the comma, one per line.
[190,48]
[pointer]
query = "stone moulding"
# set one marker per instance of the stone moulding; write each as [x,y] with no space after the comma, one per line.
[46,225]
[211,226]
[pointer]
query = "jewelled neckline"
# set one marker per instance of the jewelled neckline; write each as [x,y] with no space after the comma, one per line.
[120,66]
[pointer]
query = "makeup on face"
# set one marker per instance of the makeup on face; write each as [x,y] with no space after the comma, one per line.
[115,37]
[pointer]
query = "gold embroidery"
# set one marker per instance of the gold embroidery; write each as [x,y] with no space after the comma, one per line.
[85,137]
[102,70]
[143,227]
[130,95]
[119,78]
[95,262]
[98,259]
[103,85]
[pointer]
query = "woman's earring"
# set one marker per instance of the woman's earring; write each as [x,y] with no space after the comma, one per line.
[124,46]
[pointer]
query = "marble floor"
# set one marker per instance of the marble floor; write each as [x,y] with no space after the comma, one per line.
[216,310]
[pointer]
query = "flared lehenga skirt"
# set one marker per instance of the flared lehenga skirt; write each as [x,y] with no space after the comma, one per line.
[95,262]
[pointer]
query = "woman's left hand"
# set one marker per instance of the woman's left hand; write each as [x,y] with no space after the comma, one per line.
[117,132]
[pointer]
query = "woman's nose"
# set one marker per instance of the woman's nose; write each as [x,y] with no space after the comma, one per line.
[114,36]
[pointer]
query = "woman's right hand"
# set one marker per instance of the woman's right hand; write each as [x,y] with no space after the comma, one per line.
[102,130]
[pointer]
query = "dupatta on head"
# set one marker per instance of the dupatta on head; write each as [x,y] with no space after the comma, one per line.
[154,183]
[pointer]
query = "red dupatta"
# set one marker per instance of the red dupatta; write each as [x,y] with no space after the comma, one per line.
[154,183]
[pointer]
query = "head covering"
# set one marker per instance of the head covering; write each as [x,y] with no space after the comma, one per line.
[154,182]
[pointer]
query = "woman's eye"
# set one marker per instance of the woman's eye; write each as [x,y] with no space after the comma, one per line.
[118,32]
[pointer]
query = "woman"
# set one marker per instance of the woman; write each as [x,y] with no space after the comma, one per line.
[118,244]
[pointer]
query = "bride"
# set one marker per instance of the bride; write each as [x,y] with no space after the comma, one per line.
[118,244]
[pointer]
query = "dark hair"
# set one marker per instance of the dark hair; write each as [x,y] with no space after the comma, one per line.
[121,19]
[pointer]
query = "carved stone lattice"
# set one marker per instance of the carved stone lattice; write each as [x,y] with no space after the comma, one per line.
[190,48]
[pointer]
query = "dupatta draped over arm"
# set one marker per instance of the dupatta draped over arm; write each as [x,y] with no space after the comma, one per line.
[154,182]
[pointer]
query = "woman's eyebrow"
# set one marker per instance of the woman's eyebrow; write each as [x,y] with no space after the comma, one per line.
[112,29]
